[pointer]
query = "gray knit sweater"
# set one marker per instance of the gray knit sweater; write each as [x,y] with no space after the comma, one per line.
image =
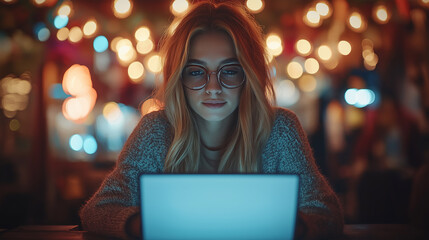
[287,151]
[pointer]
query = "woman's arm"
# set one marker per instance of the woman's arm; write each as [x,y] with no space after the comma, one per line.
[110,208]
[320,215]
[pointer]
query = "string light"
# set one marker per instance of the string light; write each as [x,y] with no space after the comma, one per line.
[75,34]
[311,66]
[154,63]
[324,52]
[77,83]
[136,71]
[89,28]
[303,47]
[142,34]
[114,43]
[312,18]
[344,47]
[145,47]
[179,7]
[324,9]
[381,13]
[122,8]
[356,22]
[255,6]
[65,9]
[294,70]
[274,44]
[125,51]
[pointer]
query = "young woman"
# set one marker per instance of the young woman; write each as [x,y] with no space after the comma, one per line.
[216,117]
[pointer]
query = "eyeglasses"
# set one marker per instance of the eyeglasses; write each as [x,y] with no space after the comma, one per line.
[196,77]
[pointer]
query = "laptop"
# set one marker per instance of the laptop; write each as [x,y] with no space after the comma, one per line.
[218,206]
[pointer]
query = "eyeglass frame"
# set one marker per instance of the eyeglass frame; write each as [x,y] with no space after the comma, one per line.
[209,73]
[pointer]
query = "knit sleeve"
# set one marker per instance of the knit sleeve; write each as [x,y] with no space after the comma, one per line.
[117,199]
[319,208]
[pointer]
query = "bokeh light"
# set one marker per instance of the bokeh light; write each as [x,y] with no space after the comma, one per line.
[356,22]
[90,145]
[61,21]
[136,71]
[63,34]
[39,2]
[307,83]
[303,47]
[125,52]
[286,93]
[312,18]
[381,14]
[100,44]
[311,65]
[112,112]
[114,44]
[359,97]
[14,125]
[77,83]
[154,63]
[76,142]
[65,9]
[294,69]
[42,32]
[77,80]
[274,44]
[344,47]
[9,1]
[142,34]
[324,9]
[75,34]
[324,52]
[179,7]
[145,46]
[89,28]
[14,94]
[255,6]
[122,8]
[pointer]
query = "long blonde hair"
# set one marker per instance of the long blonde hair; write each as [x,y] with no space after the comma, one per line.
[255,113]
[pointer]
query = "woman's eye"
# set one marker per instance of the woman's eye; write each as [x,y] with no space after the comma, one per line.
[196,73]
[229,72]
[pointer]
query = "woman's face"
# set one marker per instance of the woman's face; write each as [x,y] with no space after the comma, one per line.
[213,102]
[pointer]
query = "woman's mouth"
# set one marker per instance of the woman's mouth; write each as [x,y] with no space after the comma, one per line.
[214,103]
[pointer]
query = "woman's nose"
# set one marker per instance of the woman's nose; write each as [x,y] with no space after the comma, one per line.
[213,85]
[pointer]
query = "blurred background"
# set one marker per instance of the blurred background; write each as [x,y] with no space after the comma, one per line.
[76,76]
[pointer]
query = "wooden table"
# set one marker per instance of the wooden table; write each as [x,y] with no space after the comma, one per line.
[351,232]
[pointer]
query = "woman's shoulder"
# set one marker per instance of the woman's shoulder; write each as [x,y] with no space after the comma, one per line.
[155,121]
[285,117]
[155,116]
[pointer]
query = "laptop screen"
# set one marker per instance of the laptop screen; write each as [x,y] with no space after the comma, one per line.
[218,206]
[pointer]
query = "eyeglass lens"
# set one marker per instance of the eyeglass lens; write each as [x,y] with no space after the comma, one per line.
[196,77]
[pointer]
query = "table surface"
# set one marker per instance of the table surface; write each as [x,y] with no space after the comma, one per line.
[351,232]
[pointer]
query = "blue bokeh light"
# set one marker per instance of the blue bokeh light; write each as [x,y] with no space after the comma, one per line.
[61,21]
[41,31]
[90,144]
[359,97]
[100,44]
[76,142]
